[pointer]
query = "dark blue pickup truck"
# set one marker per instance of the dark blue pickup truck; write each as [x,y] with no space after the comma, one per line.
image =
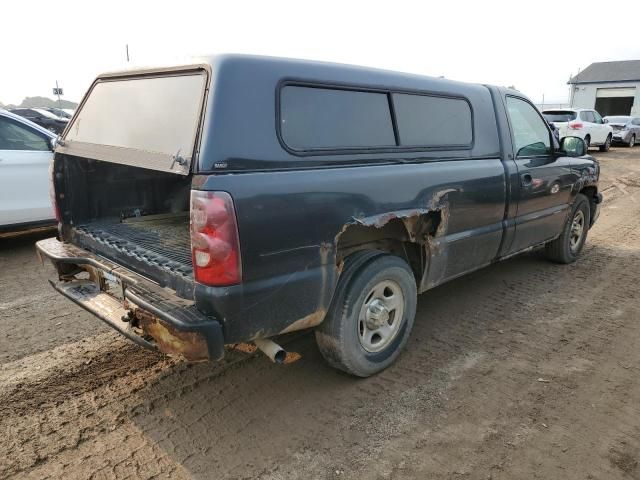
[238,198]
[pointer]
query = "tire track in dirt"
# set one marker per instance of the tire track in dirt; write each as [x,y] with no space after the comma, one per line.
[463,397]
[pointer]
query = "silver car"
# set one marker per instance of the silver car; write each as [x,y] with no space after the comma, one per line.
[626,129]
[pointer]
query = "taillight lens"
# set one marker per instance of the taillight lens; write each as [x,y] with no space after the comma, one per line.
[575,125]
[215,247]
[52,193]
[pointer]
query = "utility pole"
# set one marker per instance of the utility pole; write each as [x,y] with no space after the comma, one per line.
[127,48]
[542,102]
[57,91]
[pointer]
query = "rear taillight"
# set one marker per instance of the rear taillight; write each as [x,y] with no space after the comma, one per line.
[575,125]
[215,247]
[52,193]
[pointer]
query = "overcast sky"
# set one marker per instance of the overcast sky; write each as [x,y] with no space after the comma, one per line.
[534,45]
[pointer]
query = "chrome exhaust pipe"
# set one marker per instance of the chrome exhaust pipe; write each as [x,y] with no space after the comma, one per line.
[271,349]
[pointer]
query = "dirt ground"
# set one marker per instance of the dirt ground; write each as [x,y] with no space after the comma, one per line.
[525,369]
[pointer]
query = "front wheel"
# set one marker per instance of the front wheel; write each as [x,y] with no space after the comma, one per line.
[632,141]
[567,247]
[371,315]
[607,144]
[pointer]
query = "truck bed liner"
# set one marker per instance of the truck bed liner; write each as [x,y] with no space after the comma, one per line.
[156,244]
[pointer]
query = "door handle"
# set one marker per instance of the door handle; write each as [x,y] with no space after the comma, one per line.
[526,179]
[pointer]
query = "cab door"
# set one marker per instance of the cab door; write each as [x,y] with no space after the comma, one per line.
[544,179]
[25,155]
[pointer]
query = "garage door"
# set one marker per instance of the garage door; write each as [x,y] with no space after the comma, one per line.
[615,101]
[616,92]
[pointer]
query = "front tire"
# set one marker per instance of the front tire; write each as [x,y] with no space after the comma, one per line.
[607,144]
[371,314]
[568,246]
[587,141]
[632,141]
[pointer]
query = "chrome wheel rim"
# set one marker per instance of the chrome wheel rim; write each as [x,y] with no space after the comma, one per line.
[607,143]
[380,316]
[577,230]
[632,141]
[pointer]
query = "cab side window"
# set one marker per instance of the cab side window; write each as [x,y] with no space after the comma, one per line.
[14,136]
[530,134]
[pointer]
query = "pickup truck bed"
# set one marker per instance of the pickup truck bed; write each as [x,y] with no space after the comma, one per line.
[158,244]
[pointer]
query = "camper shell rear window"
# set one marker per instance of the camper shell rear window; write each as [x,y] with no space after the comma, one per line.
[147,120]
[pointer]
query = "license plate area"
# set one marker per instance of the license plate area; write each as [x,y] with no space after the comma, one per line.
[111,284]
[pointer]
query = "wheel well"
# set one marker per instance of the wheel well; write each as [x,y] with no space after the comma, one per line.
[590,193]
[404,237]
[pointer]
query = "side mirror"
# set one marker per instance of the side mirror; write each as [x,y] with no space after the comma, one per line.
[53,142]
[573,147]
[605,120]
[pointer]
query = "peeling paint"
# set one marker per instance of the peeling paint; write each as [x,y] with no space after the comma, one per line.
[421,228]
[411,217]
[309,321]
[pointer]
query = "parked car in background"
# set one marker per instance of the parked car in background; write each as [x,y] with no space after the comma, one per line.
[584,123]
[43,118]
[327,199]
[626,129]
[26,150]
[59,112]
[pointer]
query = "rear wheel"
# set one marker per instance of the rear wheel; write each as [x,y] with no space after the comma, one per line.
[607,144]
[632,140]
[567,247]
[371,315]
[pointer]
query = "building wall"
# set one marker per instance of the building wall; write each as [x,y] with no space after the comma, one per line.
[584,95]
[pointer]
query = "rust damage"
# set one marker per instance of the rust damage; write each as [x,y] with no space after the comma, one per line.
[324,295]
[411,218]
[309,321]
[425,226]
[189,345]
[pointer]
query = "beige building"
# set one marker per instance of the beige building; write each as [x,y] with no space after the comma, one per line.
[612,88]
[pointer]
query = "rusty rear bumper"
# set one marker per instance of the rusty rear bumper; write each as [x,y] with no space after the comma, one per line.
[139,309]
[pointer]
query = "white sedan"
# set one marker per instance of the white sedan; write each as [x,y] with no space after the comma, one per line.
[26,150]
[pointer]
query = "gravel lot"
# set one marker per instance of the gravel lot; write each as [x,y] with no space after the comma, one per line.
[525,369]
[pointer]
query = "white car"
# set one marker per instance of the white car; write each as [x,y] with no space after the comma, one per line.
[584,123]
[26,150]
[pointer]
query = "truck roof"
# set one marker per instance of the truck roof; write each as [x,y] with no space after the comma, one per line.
[242,102]
[220,61]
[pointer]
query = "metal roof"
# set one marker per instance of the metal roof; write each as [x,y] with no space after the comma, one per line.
[601,72]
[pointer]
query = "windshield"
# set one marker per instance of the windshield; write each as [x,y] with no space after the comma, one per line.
[559,115]
[44,113]
[59,112]
[618,119]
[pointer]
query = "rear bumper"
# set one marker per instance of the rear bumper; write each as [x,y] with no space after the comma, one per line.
[621,136]
[137,308]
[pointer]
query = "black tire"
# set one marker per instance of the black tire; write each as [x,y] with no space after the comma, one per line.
[632,141]
[607,144]
[587,141]
[339,336]
[562,249]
